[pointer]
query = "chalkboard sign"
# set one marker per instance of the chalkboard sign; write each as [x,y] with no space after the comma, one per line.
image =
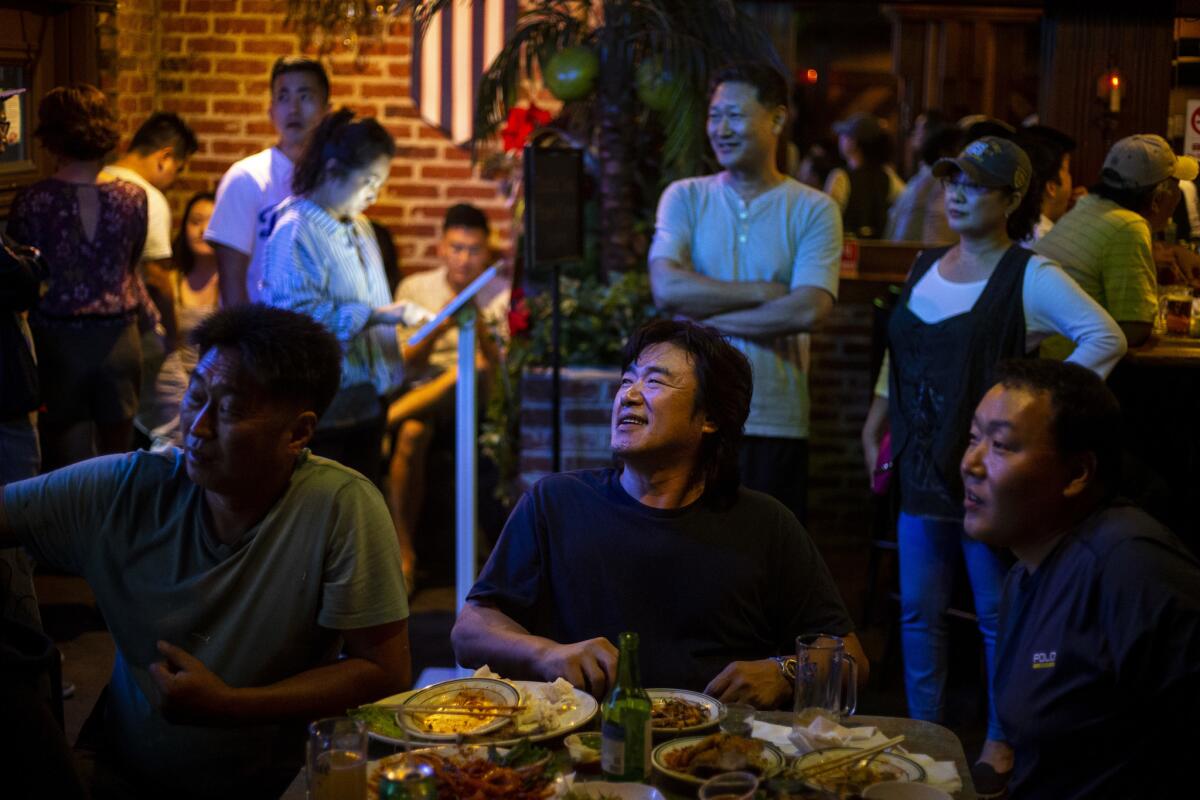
[554,203]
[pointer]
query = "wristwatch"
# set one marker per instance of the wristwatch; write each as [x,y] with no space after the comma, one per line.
[787,667]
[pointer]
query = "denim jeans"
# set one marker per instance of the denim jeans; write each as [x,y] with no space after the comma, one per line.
[928,553]
[20,457]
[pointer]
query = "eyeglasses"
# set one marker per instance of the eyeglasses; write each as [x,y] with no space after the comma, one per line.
[968,188]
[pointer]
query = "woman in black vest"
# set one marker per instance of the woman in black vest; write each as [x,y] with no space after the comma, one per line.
[963,310]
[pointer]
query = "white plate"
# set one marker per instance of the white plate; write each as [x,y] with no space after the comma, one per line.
[623,791]
[585,708]
[905,769]
[442,694]
[444,750]
[714,707]
[770,753]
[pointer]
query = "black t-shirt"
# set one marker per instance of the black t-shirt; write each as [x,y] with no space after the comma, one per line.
[1098,664]
[580,558]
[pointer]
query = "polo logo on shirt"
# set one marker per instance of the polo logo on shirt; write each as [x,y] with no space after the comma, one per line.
[1045,660]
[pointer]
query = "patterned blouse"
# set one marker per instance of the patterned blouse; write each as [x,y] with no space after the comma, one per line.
[93,278]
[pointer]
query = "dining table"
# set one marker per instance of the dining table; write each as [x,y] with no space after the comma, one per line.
[935,741]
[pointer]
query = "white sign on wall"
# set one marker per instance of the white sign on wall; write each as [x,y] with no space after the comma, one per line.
[1191,129]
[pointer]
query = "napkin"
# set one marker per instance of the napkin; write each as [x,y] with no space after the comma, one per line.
[823,732]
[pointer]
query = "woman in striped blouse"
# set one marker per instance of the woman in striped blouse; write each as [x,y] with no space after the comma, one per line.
[322,259]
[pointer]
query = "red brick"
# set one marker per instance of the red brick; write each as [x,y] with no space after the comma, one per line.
[173,24]
[172,44]
[455,153]
[239,25]
[213,86]
[414,190]
[272,46]
[221,126]
[236,148]
[351,69]
[209,6]
[471,193]
[242,66]
[387,90]
[236,107]
[262,6]
[213,165]
[427,153]
[260,129]
[438,171]
[417,231]
[400,70]
[427,132]
[170,6]
[211,44]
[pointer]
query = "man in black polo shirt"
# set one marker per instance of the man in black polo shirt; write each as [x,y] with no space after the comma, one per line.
[718,580]
[1097,680]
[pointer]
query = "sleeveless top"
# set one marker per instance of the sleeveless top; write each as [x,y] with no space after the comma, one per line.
[939,372]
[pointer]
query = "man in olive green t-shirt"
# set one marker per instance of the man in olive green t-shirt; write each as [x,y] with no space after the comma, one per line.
[230,572]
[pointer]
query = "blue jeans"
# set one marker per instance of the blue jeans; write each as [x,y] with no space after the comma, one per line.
[928,553]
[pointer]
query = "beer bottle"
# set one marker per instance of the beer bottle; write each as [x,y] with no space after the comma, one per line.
[625,727]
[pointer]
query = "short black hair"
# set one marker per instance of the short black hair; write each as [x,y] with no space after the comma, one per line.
[164,129]
[286,64]
[769,86]
[724,383]
[1046,147]
[942,141]
[1086,414]
[293,358]
[347,142]
[465,215]
[1136,199]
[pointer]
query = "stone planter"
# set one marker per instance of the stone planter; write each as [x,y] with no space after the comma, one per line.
[587,397]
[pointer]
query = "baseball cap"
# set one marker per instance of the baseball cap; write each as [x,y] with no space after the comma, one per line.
[991,161]
[859,125]
[1144,160]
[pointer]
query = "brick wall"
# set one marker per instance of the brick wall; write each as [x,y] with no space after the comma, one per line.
[585,414]
[209,61]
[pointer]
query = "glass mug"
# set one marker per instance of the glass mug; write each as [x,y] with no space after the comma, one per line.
[826,678]
[337,759]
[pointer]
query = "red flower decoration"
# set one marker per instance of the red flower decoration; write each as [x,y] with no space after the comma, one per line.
[521,123]
[518,313]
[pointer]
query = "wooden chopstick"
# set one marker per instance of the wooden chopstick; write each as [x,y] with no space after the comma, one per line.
[484,711]
[849,758]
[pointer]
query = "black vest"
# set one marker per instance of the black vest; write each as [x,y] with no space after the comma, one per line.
[938,374]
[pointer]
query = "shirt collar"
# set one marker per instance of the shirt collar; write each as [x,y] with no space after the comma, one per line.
[325,221]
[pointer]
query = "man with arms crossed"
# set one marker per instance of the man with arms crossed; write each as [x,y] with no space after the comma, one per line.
[1097,679]
[754,254]
[717,579]
[248,193]
[230,572]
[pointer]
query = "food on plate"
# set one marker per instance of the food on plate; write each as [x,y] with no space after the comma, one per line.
[524,772]
[852,777]
[544,705]
[675,712]
[584,750]
[719,753]
[453,720]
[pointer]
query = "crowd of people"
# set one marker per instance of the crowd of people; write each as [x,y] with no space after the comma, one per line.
[254,576]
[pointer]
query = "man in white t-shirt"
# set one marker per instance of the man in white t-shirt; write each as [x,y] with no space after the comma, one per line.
[243,215]
[431,367]
[754,254]
[156,155]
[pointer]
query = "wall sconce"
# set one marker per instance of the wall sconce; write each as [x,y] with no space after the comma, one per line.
[1110,90]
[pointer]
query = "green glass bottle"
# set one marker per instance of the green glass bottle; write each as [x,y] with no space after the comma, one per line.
[625,727]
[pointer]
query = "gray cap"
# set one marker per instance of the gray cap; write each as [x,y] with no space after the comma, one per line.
[991,161]
[1144,160]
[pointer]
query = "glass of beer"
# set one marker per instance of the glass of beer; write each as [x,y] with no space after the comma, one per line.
[337,759]
[1178,311]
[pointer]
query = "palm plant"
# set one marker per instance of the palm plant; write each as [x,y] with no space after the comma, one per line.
[649,51]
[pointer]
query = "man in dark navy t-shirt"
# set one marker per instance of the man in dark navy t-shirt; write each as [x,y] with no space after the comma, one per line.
[1097,679]
[718,580]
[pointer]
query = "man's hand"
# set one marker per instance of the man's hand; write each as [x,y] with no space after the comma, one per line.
[759,683]
[189,689]
[402,312]
[590,665]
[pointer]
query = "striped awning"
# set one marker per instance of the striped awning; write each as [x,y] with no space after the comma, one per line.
[460,43]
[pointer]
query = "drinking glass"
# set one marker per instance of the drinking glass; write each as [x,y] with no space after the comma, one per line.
[737,719]
[729,786]
[337,759]
[826,678]
[1178,309]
